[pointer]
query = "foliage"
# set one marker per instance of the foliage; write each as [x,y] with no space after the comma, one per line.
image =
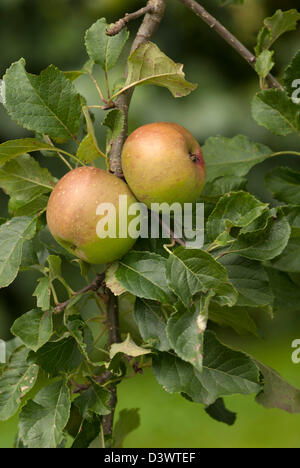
[62,366]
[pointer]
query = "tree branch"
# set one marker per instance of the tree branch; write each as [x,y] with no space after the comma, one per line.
[228,37]
[94,286]
[145,32]
[119,25]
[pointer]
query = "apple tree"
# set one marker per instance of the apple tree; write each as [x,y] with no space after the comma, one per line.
[66,359]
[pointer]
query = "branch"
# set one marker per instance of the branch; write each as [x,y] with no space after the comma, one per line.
[145,32]
[228,37]
[114,337]
[119,25]
[94,286]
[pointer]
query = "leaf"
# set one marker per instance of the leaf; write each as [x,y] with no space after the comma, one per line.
[114,121]
[144,275]
[235,209]
[16,381]
[292,214]
[88,151]
[264,63]
[59,356]
[43,294]
[152,325]
[48,103]
[102,49]
[43,419]
[129,421]
[186,333]
[249,279]
[220,413]
[266,243]
[225,372]
[286,292]
[237,318]
[13,234]
[214,190]
[149,65]
[2,92]
[111,281]
[193,271]
[232,156]
[284,185]
[127,347]
[26,183]
[13,148]
[89,431]
[34,328]
[289,260]
[274,26]
[274,110]
[54,262]
[94,400]
[72,75]
[277,393]
[292,75]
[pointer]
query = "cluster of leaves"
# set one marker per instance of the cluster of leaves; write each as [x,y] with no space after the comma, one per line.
[55,377]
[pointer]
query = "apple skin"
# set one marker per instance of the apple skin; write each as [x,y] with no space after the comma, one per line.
[72,218]
[162,162]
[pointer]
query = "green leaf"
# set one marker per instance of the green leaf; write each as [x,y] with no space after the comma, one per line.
[277,393]
[48,104]
[54,262]
[88,151]
[225,372]
[72,75]
[26,183]
[94,400]
[292,214]
[286,292]
[34,328]
[236,209]
[129,421]
[152,326]
[193,271]
[127,347]
[232,156]
[43,294]
[274,110]
[144,275]
[17,379]
[266,243]
[220,413]
[249,279]
[289,260]
[43,419]
[114,121]
[292,75]
[149,65]
[264,63]
[186,333]
[214,190]
[274,26]
[89,431]
[13,234]
[59,356]
[284,185]
[237,318]
[102,49]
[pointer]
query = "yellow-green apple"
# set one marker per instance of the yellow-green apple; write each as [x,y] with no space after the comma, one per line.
[83,203]
[162,162]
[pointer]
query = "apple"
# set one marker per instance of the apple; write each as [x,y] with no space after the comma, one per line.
[73,214]
[162,162]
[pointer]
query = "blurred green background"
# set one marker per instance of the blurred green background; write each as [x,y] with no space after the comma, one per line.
[52,31]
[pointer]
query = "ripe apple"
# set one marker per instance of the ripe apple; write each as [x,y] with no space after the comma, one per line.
[162,162]
[72,214]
